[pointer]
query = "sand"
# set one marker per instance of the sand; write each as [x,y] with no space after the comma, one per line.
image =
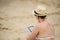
[16,15]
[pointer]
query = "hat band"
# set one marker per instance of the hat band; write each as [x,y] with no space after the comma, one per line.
[35,12]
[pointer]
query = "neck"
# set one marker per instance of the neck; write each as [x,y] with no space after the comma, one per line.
[41,20]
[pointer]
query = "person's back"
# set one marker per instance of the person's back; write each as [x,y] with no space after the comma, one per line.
[46,30]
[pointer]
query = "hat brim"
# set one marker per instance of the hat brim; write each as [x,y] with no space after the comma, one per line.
[39,15]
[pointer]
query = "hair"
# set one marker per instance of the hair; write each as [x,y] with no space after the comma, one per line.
[42,17]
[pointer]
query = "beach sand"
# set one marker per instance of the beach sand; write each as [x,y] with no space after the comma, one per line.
[16,15]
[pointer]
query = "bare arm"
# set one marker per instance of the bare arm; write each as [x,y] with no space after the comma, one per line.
[33,34]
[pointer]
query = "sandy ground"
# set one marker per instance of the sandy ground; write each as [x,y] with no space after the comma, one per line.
[16,15]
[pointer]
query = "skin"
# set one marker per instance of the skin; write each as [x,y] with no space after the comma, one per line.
[42,29]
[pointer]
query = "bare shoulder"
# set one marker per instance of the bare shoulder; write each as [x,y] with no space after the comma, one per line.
[51,23]
[38,25]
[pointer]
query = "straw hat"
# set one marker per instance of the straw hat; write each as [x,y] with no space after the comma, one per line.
[40,11]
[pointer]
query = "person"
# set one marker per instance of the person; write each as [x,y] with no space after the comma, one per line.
[43,29]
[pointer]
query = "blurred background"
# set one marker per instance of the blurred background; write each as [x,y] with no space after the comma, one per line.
[16,15]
